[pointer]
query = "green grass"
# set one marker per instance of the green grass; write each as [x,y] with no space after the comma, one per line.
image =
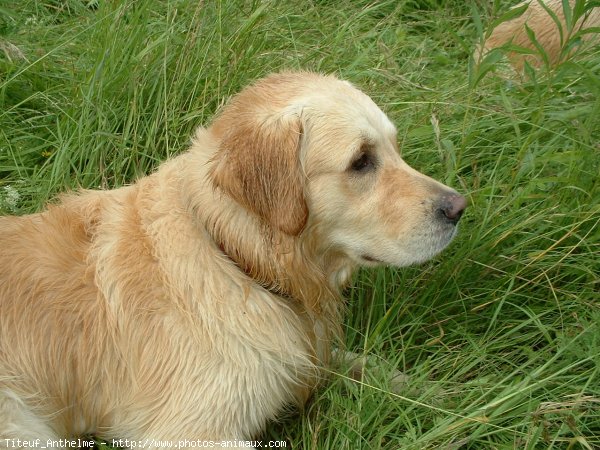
[501,333]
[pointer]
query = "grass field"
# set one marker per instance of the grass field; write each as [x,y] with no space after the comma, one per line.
[501,333]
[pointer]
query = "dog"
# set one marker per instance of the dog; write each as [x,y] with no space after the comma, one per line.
[546,30]
[200,301]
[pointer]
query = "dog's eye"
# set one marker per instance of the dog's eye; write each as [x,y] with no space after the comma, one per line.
[363,163]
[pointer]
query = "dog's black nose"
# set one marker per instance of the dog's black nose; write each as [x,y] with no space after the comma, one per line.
[451,207]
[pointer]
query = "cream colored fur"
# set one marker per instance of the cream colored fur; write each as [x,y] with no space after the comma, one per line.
[546,32]
[202,300]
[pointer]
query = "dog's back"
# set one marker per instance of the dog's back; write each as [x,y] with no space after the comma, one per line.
[546,31]
[45,282]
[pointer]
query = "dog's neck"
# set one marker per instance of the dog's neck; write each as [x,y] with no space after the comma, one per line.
[285,265]
[291,267]
[272,286]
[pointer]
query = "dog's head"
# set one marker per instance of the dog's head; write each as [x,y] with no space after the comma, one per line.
[312,154]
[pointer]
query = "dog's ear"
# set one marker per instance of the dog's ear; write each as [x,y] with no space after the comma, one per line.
[258,165]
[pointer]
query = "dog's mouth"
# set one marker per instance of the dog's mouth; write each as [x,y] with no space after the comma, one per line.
[370,259]
[416,251]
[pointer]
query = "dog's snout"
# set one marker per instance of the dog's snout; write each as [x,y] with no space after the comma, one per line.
[451,207]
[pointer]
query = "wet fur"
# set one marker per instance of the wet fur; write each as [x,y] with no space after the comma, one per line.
[200,301]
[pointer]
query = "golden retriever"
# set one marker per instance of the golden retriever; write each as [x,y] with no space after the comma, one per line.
[198,302]
[547,33]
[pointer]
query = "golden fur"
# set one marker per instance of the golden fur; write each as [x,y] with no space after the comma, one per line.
[200,301]
[546,32]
